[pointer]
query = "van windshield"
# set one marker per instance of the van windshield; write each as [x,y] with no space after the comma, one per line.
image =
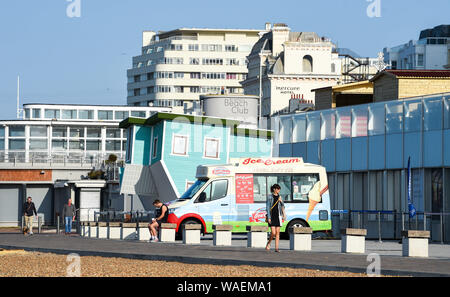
[193,189]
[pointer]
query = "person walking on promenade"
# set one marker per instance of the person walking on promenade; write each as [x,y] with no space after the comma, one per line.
[275,215]
[68,213]
[162,214]
[28,210]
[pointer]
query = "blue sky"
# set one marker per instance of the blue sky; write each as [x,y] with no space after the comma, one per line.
[84,60]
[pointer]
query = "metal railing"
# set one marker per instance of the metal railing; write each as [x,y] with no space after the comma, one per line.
[386,224]
[123,216]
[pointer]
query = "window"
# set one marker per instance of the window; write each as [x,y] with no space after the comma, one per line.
[155,148]
[69,114]
[216,61]
[86,114]
[137,78]
[129,149]
[137,92]
[193,47]
[113,133]
[232,62]
[121,115]
[333,68]
[138,114]
[38,131]
[212,148]
[36,113]
[38,144]
[307,63]
[180,145]
[17,144]
[59,144]
[51,114]
[215,190]
[94,145]
[150,75]
[150,90]
[105,115]
[76,132]
[301,185]
[59,132]
[94,132]
[259,188]
[27,113]
[194,61]
[195,89]
[231,48]
[2,132]
[17,131]
[112,145]
[76,145]
[299,133]
[178,75]
[211,47]
[420,60]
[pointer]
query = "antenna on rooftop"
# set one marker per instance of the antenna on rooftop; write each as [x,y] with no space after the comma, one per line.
[19,110]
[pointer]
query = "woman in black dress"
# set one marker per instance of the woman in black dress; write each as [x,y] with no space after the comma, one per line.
[275,215]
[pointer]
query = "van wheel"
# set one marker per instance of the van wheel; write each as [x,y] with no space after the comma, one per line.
[294,223]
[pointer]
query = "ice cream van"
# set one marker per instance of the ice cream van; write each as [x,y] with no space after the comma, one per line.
[235,194]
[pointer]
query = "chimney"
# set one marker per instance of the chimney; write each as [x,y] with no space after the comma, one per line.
[268,26]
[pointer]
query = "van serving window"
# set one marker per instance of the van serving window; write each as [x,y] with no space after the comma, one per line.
[294,187]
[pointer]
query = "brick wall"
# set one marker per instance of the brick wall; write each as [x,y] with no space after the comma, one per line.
[25,175]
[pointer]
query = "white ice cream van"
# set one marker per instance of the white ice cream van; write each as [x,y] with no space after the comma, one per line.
[236,193]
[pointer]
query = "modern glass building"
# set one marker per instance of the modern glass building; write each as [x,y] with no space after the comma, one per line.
[366,148]
[67,133]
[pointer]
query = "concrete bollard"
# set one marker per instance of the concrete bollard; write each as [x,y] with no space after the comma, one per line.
[143,233]
[128,231]
[415,243]
[191,233]
[114,230]
[102,230]
[92,229]
[353,240]
[257,236]
[167,232]
[222,235]
[300,238]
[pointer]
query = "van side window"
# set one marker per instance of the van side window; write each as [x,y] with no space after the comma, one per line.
[294,187]
[302,184]
[259,188]
[216,190]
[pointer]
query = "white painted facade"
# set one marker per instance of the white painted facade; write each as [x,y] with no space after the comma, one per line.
[431,51]
[178,66]
[291,64]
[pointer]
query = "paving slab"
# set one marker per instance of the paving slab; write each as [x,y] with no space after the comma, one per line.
[325,254]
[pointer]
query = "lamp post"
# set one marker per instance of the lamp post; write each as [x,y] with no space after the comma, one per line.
[260,82]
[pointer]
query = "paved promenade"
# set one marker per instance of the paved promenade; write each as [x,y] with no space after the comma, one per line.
[325,254]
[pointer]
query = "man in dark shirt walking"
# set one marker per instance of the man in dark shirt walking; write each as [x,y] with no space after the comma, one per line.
[69,211]
[28,210]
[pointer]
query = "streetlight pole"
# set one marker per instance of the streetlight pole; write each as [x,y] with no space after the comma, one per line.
[260,82]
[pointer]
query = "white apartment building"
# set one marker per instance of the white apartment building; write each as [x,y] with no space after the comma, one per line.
[289,65]
[67,133]
[178,66]
[431,51]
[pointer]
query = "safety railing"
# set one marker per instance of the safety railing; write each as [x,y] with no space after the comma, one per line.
[123,216]
[386,224]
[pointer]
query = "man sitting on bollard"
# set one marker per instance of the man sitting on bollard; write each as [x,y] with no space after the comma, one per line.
[162,214]
[28,210]
[69,211]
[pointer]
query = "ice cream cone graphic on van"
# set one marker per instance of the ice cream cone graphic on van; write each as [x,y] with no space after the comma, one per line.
[315,196]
